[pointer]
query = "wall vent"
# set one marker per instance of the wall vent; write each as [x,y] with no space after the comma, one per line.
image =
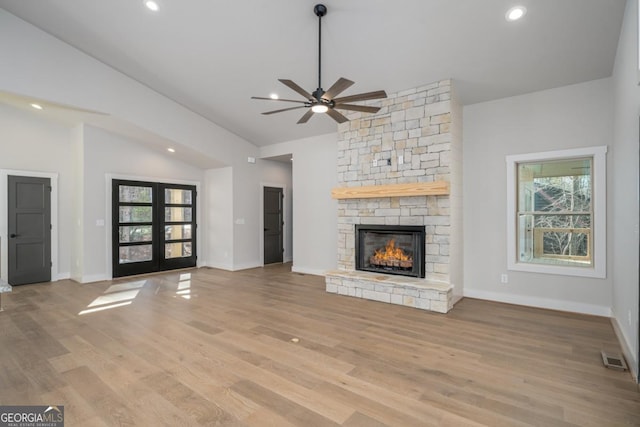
[614,361]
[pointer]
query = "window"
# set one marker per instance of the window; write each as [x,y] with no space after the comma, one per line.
[556,205]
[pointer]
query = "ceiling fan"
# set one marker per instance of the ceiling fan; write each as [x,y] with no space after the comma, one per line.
[321,101]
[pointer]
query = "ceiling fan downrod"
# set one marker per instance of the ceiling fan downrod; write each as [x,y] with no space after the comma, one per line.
[320,10]
[321,101]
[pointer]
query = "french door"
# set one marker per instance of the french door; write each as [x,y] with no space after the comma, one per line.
[154,227]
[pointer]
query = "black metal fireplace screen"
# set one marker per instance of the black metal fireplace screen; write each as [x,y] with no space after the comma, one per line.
[390,249]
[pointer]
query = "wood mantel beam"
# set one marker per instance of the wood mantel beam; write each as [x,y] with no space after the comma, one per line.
[437,188]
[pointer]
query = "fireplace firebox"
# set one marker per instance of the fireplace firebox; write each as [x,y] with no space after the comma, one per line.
[390,249]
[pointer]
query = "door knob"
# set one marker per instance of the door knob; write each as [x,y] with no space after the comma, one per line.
[13,235]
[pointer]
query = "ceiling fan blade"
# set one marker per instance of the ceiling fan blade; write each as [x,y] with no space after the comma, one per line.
[336,116]
[361,97]
[278,99]
[306,117]
[284,109]
[352,107]
[338,87]
[293,86]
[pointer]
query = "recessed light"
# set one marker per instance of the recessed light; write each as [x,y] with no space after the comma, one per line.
[37,106]
[274,96]
[152,5]
[171,150]
[319,108]
[515,13]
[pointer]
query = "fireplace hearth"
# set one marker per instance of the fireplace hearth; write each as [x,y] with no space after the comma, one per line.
[390,249]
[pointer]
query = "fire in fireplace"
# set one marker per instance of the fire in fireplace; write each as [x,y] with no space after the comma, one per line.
[390,249]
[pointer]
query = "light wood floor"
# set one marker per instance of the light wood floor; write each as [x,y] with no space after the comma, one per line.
[208,347]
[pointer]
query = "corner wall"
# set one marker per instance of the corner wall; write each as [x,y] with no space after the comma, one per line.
[107,155]
[567,117]
[623,187]
[33,144]
[314,211]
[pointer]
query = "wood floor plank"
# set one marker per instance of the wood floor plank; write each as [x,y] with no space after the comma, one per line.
[288,409]
[191,404]
[104,401]
[211,347]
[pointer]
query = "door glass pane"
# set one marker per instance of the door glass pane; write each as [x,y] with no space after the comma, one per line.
[177,214]
[175,196]
[135,253]
[177,250]
[131,194]
[140,233]
[177,232]
[136,214]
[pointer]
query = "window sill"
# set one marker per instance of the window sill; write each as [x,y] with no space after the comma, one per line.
[559,270]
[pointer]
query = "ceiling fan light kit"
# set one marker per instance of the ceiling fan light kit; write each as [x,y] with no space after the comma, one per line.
[321,101]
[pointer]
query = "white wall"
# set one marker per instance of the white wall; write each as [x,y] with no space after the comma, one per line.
[219,216]
[29,143]
[77,215]
[568,117]
[624,185]
[315,219]
[108,156]
[74,78]
[36,64]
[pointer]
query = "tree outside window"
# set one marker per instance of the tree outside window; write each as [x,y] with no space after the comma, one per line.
[554,212]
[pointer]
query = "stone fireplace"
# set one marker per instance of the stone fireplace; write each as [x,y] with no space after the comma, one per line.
[402,167]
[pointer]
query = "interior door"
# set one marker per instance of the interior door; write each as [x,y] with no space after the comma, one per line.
[273,225]
[29,221]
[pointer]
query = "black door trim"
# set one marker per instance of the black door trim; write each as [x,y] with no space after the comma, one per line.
[158,203]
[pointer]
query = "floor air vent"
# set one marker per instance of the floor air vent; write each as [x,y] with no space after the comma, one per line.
[614,361]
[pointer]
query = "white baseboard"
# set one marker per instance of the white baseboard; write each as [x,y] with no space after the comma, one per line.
[246,266]
[94,278]
[574,307]
[304,270]
[632,361]
[61,276]
[220,265]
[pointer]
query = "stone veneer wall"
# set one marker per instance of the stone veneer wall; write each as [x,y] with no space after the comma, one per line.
[417,124]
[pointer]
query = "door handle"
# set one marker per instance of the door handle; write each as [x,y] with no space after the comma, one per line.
[13,236]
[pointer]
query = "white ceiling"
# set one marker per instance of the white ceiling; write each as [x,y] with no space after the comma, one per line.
[212,56]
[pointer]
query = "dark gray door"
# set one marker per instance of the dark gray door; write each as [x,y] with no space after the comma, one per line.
[29,241]
[273,225]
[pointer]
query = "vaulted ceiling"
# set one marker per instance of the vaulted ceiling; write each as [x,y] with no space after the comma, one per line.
[212,56]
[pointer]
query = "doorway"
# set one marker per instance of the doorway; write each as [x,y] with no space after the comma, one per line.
[153,227]
[29,230]
[273,225]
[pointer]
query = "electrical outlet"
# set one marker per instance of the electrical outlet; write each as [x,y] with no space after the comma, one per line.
[400,160]
[375,163]
[504,278]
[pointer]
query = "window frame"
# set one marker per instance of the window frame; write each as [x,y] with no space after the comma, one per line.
[598,269]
